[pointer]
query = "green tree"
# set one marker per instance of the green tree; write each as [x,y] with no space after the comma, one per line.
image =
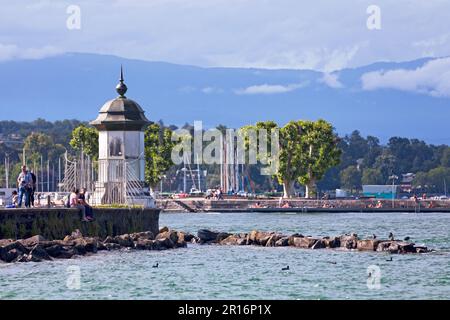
[2,176]
[85,139]
[14,174]
[351,178]
[158,151]
[258,181]
[331,180]
[386,164]
[374,150]
[290,154]
[289,165]
[319,152]
[307,150]
[41,144]
[434,180]
[372,176]
[445,159]
[354,147]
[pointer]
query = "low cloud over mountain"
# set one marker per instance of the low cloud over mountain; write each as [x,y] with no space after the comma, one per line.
[383,99]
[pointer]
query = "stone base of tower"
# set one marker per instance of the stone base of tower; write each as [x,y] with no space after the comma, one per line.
[112,193]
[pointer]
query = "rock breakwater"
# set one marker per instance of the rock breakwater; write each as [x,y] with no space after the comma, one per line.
[37,248]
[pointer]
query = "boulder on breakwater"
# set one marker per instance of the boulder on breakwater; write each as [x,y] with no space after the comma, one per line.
[37,248]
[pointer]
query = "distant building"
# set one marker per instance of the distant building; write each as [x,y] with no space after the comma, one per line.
[15,136]
[406,182]
[340,193]
[380,191]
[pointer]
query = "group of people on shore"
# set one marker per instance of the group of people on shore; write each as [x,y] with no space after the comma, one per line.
[281,204]
[214,194]
[377,205]
[26,188]
[26,191]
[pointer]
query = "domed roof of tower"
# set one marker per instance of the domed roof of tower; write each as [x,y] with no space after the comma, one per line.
[121,113]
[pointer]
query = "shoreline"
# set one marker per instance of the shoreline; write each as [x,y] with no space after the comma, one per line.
[307,210]
[198,205]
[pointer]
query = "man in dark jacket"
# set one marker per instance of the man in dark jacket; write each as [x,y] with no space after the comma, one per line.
[33,187]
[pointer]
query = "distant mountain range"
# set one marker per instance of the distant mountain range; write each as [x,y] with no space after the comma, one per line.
[76,86]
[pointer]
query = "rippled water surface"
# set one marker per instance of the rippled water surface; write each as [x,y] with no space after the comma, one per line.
[247,272]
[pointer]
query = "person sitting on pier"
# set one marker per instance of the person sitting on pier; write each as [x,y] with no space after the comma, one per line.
[83,199]
[286,205]
[379,205]
[257,205]
[24,182]
[209,194]
[219,194]
[15,198]
[74,203]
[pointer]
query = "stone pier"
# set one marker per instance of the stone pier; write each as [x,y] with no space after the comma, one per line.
[56,223]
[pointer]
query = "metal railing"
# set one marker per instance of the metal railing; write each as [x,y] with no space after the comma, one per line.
[118,181]
[78,173]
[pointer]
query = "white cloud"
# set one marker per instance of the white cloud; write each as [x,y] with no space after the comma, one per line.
[433,78]
[324,36]
[331,80]
[314,58]
[340,58]
[211,90]
[433,42]
[270,88]
[11,51]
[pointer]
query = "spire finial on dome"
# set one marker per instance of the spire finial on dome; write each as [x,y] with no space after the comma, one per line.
[121,88]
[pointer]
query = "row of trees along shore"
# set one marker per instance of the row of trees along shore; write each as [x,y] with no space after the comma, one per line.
[310,155]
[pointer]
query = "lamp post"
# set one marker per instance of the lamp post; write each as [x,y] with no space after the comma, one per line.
[161,187]
[445,188]
[7,170]
[184,178]
[393,177]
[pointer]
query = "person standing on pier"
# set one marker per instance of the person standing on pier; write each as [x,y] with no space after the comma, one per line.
[33,187]
[24,182]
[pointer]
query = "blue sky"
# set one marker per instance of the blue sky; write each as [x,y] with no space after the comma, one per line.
[321,35]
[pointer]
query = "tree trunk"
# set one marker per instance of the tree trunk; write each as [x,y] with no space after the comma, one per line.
[311,190]
[288,189]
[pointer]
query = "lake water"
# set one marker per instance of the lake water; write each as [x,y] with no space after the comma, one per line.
[248,272]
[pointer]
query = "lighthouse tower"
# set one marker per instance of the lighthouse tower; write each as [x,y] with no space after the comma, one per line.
[121,165]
